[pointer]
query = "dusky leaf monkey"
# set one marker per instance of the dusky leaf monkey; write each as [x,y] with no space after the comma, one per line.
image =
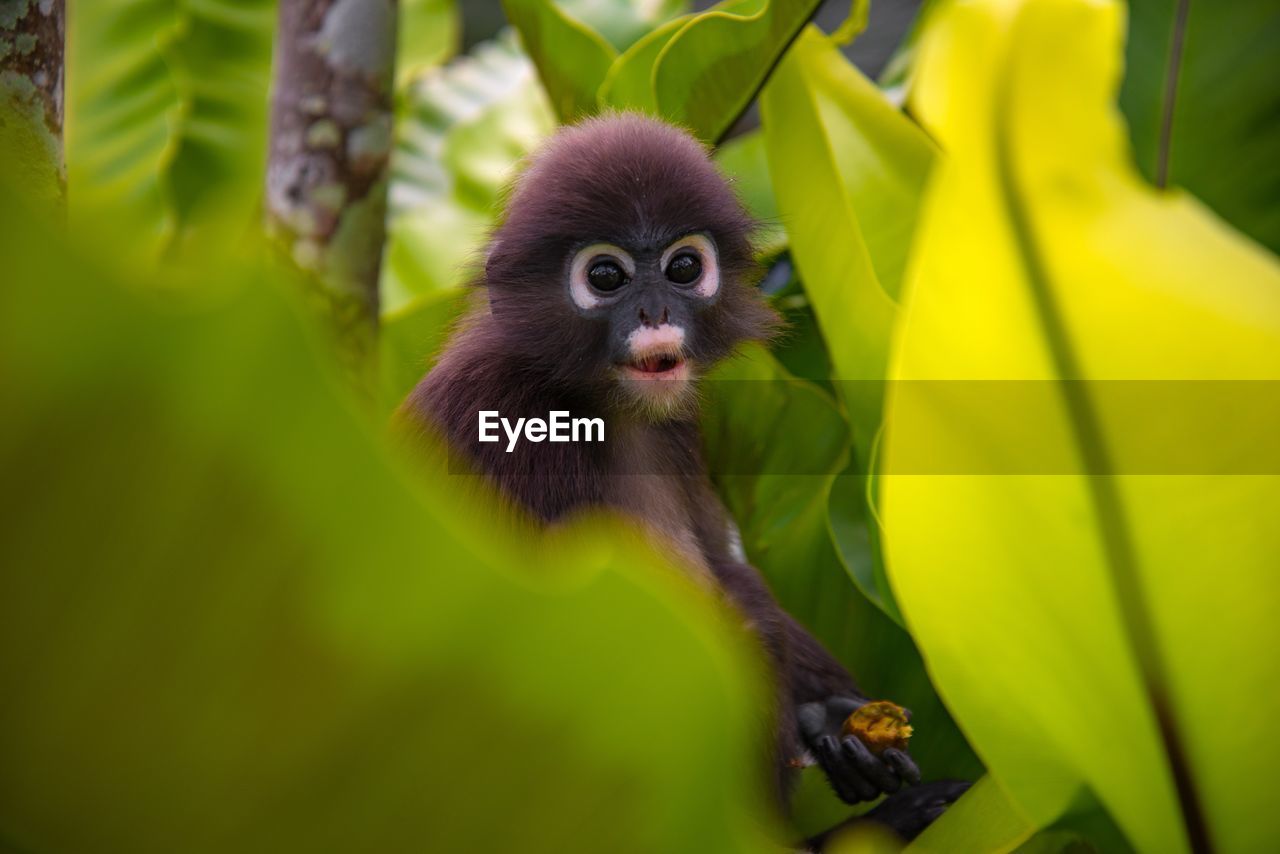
[621,270]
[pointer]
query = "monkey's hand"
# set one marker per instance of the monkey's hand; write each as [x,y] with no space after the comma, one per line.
[855,773]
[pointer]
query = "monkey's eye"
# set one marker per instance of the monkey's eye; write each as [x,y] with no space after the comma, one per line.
[597,272]
[684,268]
[691,262]
[606,276]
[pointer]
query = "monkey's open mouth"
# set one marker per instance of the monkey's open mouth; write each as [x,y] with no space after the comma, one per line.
[658,366]
[656,353]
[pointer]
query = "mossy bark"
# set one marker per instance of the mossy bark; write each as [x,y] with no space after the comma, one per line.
[331,133]
[32,42]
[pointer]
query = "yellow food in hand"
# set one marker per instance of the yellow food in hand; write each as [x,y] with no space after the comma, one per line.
[879,725]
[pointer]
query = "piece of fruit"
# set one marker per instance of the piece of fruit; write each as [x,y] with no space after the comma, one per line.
[879,725]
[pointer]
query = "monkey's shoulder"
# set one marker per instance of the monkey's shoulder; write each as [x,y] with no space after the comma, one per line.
[548,478]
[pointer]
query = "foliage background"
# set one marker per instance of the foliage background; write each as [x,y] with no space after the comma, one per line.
[233,620]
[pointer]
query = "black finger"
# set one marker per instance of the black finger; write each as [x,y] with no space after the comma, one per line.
[851,786]
[903,764]
[868,765]
[847,789]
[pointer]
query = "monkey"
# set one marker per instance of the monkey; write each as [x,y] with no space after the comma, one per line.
[620,270]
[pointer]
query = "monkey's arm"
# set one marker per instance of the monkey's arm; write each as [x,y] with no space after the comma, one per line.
[825,695]
[820,692]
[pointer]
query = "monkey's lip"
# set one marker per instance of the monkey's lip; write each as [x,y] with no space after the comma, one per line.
[656,367]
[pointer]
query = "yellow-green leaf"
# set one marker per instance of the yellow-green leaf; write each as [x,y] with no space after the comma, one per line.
[623,22]
[629,83]
[231,621]
[848,171]
[410,338]
[427,34]
[744,161]
[1078,622]
[984,819]
[709,71]
[167,121]
[774,444]
[462,130]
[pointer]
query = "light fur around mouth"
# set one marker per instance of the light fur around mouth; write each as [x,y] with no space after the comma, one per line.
[657,376]
[656,354]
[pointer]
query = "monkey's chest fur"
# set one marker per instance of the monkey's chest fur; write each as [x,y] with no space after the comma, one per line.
[659,480]
[650,472]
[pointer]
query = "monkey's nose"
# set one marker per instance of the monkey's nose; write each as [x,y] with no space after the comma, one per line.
[644,317]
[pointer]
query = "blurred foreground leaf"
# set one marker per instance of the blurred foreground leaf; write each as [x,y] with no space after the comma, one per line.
[229,623]
[1055,609]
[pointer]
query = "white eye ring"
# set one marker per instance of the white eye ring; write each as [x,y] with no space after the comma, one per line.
[709,284]
[581,292]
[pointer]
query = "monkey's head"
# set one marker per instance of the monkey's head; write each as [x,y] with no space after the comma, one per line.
[625,259]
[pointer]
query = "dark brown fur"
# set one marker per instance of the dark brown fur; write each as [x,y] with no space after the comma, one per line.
[625,180]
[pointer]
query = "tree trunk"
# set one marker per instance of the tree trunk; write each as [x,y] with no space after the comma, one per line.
[331,132]
[32,37]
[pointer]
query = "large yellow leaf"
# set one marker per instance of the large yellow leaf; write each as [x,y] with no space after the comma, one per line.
[1089,620]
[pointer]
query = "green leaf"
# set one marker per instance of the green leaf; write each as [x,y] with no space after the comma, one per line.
[228,621]
[710,70]
[855,531]
[1082,624]
[410,339]
[853,310]
[462,132]
[801,348]
[428,34]
[1200,97]
[849,172]
[629,83]
[774,444]
[167,120]
[984,819]
[623,22]
[572,58]
[745,162]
